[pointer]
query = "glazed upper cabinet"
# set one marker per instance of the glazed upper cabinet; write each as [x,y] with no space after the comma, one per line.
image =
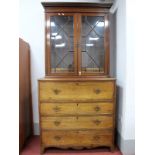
[77,42]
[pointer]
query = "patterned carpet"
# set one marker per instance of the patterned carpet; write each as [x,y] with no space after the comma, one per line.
[33,148]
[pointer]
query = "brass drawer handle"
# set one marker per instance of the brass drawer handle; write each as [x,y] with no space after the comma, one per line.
[96,138]
[57,123]
[97,108]
[57,138]
[97,91]
[76,84]
[56,91]
[97,122]
[57,109]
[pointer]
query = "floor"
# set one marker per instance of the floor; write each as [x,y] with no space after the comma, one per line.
[33,148]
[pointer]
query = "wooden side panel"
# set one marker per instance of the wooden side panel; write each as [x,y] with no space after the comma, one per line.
[77,122]
[76,138]
[76,108]
[25,105]
[76,90]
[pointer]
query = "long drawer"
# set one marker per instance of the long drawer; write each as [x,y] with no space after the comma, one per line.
[77,122]
[76,108]
[76,138]
[50,91]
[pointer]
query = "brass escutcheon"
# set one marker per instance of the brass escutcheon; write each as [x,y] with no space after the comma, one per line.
[56,109]
[97,108]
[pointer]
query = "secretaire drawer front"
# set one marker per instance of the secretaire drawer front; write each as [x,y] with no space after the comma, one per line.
[77,122]
[76,138]
[76,90]
[76,108]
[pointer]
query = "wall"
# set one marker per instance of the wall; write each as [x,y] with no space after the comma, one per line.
[122,46]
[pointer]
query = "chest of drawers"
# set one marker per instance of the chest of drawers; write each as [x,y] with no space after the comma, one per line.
[71,111]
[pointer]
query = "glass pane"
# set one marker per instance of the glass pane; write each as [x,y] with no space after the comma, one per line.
[92,43]
[62,46]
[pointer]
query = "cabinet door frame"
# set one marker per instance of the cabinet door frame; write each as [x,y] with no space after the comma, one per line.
[48,44]
[76,12]
[106,44]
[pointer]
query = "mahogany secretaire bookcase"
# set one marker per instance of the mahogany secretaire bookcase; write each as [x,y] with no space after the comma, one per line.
[77,96]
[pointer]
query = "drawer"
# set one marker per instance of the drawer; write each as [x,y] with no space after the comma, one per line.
[77,122]
[58,108]
[76,138]
[76,108]
[95,108]
[50,91]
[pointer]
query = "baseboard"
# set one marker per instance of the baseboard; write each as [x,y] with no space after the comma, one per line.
[127,147]
[36,129]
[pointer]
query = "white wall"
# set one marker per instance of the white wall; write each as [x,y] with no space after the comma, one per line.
[129,130]
[124,43]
